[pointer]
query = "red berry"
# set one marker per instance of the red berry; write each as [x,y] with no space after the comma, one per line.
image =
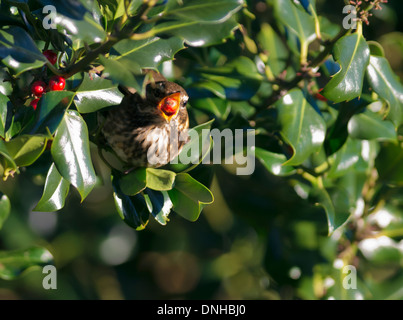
[51,56]
[57,83]
[38,88]
[34,103]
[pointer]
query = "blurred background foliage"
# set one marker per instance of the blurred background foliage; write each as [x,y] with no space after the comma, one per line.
[260,239]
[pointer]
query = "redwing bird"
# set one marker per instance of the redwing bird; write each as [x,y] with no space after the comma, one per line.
[146,131]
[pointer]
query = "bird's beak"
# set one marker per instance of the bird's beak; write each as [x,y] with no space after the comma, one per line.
[169,106]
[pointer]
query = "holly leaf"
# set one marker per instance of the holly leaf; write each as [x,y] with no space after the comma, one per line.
[147,53]
[386,84]
[26,149]
[132,209]
[18,51]
[301,126]
[71,153]
[371,126]
[50,111]
[54,193]
[352,53]
[273,162]
[96,93]
[189,196]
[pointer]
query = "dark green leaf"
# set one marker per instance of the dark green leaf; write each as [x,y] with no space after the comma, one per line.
[296,19]
[5,107]
[274,162]
[80,21]
[352,53]
[344,159]
[387,86]
[133,182]
[13,263]
[96,93]
[301,126]
[18,51]
[132,209]
[389,164]
[51,109]
[337,205]
[120,74]
[71,153]
[218,107]
[189,197]
[54,193]
[204,11]
[370,126]
[148,53]
[197,34]
[159,205]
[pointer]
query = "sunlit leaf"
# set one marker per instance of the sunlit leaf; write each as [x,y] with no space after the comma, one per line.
[352,53]
[54,193]
[71,153]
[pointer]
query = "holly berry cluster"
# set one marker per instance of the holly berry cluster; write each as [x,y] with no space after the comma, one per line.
[56,83]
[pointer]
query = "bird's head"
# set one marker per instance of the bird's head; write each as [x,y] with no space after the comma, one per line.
[168,97]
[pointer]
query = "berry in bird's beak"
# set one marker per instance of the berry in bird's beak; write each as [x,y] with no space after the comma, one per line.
[169,106]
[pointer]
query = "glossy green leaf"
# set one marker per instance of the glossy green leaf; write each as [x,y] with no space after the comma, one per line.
[26,149]
[296,19]
[5,107]
[386,84]
[352,53]
[301,126]
[206,11]
[71,153]
[132,209]
[371,126]
[96,93]
[337,205]
[54,193]
[159,205]
[274,47]
[189,197]
[13,263]
[18,51]
[5,208]
[51,109]
[218,107]
[159,179]
[273,162]
[121,74]
[148,53]
[79,21]
[195,33]
[239,77]
[133,182]
[344,159]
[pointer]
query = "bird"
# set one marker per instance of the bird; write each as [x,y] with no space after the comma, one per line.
[149,130]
